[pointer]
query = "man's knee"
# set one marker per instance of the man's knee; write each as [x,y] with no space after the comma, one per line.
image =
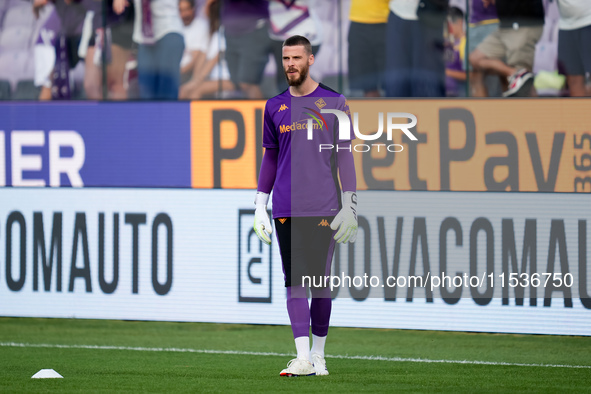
[475,58]
[92,88]
[251,91]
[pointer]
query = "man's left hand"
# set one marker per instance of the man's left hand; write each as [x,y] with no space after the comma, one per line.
[346,220]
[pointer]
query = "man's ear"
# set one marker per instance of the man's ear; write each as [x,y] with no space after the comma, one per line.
[311,59]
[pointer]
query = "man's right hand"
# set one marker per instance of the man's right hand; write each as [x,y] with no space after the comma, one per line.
[262,224]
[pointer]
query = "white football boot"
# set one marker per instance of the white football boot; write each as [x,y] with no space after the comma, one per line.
[298,367]
[319,364]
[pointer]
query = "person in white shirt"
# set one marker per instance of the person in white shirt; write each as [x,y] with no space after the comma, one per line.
[210,72]
[574,43]
[192,32]
[158,30]
[414,48]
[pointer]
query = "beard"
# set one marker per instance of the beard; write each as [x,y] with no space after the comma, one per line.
[297,81]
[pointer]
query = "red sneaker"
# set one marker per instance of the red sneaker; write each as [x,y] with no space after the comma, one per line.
[520,84]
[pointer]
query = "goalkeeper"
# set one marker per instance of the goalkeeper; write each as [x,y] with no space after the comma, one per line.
[310,211]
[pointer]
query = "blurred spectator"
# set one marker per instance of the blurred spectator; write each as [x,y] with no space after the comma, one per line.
[60,46]
[4,5]
[547,81]
[117,43]
[509,51]
[483,21]
[158,30]
[367,43]
[455,74]
[414,48]
[574,43]
[18,30]
[246,27]
[194,30]
[210,74]
[289,18]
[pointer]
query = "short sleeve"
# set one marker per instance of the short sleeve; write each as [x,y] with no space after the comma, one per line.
[217,44]
[269,132]
[197,35]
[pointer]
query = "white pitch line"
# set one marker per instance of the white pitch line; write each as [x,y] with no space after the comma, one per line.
[244,353]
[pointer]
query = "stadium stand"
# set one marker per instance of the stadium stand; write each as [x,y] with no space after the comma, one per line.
[19,29]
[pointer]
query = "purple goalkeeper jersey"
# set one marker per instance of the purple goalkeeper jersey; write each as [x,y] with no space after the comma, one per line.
[306,183]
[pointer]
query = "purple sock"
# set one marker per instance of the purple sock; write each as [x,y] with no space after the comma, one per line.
[298,311]
[320,308]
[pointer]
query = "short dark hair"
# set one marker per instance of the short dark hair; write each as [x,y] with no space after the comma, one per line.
[191,2]
[455,14]
[298,40]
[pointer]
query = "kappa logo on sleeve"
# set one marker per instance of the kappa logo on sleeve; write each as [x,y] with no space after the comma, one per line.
[283,108]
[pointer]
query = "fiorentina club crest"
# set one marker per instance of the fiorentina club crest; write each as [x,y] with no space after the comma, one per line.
[320,103]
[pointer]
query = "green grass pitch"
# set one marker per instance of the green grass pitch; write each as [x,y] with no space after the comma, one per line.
[131,356]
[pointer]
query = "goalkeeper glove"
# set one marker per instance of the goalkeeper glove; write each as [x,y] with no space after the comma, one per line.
[346,219]
[262,224]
